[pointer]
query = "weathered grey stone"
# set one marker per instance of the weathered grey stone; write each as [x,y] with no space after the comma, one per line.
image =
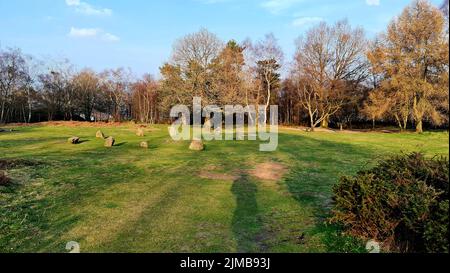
[74,140]
[109,142]
[208,124]
[197,145]
[100,134]
[144,144]
[140,132]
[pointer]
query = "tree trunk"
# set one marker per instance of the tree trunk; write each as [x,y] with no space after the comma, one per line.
[2,115]
[269,88]
[325,122]
[311,117]
[419,127]
[418,116]
[29,114]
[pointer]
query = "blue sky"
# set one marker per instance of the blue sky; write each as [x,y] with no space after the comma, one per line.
[139,33]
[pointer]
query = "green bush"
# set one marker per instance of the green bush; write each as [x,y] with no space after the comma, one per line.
[403,203]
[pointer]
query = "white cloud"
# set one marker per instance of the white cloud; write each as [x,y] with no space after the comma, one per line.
[306,21]
[277,6]
[85,8]
[110,37]
[83,32]
[92,33]
[373,2]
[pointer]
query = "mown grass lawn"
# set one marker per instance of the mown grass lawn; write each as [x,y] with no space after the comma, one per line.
[128,199]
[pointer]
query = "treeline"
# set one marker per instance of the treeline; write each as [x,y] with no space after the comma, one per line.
[32,91]
[337,78]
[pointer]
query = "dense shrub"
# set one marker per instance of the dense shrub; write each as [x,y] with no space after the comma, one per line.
[403,202]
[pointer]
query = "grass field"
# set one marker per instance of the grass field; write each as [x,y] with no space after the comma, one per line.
[171,199]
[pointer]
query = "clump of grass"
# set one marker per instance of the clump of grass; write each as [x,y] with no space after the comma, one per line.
[131,200]
[6,164]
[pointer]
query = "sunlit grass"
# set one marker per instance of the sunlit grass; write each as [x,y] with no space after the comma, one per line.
[128,199]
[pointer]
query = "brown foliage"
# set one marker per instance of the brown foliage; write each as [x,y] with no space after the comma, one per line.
[412,58]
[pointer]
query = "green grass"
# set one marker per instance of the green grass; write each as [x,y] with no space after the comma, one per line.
[127,199]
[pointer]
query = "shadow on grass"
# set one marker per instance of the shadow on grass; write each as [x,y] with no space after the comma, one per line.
[318,165]
[25,143]
[120,144]
[246,223]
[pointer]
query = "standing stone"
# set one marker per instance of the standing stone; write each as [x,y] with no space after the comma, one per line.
[109,142]
[144,144]
[197,145]
[208,124]
[140,132]
[74,140]
[100,135]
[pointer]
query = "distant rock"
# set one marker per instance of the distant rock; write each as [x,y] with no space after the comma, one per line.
[144,144]
[74,140]
[140,132]
[197,145]
[109,142]
[100,134]
[208,124]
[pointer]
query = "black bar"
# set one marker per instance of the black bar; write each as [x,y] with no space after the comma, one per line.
[274,262]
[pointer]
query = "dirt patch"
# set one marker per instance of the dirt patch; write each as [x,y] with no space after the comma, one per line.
[269,171]
[213,173]
[6,164]
[218,176]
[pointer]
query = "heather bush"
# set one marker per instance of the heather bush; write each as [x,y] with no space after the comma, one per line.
[402,203]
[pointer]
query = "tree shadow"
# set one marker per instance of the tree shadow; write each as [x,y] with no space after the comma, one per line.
[318,166]
[246,223]
[120,144]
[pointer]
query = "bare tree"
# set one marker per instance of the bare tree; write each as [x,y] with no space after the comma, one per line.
[145,100]
[57,92]
[265,59]
[444,8]
[201,47]
[87,87]
[192,65]
[13,77]
[116,83]
[329,62]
